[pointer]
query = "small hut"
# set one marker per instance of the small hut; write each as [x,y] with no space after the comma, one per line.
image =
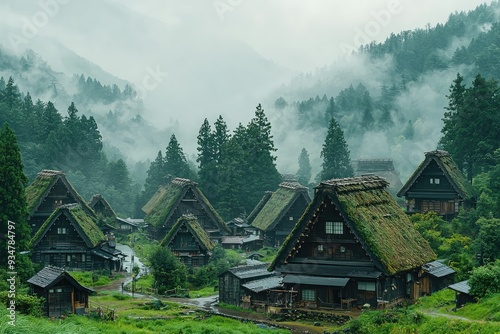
[62,293]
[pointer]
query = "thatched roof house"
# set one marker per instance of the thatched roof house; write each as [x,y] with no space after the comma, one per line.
[47,192]
[354,242]
[179,197]
[380,167]
[101,207]
[70,238]
[278,212]
[189,242]
[437,185]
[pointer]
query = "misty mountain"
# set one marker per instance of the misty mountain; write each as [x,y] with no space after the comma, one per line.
[406,77]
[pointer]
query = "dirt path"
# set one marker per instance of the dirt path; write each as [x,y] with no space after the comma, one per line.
[449,316]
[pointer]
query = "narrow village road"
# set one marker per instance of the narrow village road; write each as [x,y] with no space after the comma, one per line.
[449,316]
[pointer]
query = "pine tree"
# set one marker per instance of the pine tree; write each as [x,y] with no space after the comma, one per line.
[367,121]
[206,158]
[304,172]
[175,161]
[156,178]
[335,154]
[13,204]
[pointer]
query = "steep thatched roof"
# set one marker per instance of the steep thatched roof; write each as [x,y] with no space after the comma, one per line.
[278,204]
[97,198]
[373,216]
[83,223]
[41,186]
[162,205]
[381,167]
[251,217]
[450,170]
[194,228]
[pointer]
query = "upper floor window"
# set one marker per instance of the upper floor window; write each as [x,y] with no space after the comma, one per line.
[434,180]
[334,228]
[62,230]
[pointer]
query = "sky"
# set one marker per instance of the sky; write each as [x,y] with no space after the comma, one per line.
[304,35]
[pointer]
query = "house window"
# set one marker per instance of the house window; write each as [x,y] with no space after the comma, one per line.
[366,286]
[308,295]
[434,180]
[334,228]
[291,218]
[320,248]
[62,230]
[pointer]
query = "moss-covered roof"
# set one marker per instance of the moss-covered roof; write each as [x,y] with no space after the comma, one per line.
[450,170]
[41,186]
[278,204]
[97,198]
[251,217]
[375,219]
[82,222]
[162,205]
[194,227]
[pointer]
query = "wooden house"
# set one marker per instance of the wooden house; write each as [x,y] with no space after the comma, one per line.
[247,284]
[180,197]
[69,238]
[353,245]
[462,295]
[47,192]
[437,185]
[129,224]
[101,207]
[189,242]
[62,293]
[278,212]
[381,167]
[435,276]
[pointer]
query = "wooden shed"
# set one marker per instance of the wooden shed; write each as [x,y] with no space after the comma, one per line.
[462,295]
[353,245]
[63,294]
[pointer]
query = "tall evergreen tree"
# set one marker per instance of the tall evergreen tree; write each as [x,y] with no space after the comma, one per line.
[155,178]
[206,159]
[13,205]
[367,121]
[304,172]
[471,131]
[335,154]
[175,161]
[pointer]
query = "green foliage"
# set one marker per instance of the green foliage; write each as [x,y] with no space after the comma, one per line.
[168,271]
[335,154]
[487,243]
[485,280]
[304,173]
[25,304]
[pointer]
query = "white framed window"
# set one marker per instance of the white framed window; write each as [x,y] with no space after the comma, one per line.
[62,230]
[308,295]
[434,180]
[366,286]
[290,218]
[334,228]
[320,248]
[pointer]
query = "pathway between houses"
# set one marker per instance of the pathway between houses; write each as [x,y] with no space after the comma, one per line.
[449,316]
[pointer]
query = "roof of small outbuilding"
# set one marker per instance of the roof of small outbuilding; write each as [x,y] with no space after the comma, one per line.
[194,227]
[50,276]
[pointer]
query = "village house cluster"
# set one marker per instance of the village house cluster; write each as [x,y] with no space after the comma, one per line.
[349,244]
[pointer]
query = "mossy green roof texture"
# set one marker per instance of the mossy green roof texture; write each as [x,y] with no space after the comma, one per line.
[82,222]
[41,186]
[375,219]
[163,203]
[278,205]
[450,170]
[194,227]
[98,198]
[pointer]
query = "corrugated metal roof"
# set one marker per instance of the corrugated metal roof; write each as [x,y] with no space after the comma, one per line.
[243,272]
[437,269]
[462,287]
[264,284]
[315,280]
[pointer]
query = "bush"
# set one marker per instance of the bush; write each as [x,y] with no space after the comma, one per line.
[25,304]
[485,280]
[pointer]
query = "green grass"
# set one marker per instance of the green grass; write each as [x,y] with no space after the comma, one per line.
[487,308]
[85,278]
[174,323]
[202,292]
